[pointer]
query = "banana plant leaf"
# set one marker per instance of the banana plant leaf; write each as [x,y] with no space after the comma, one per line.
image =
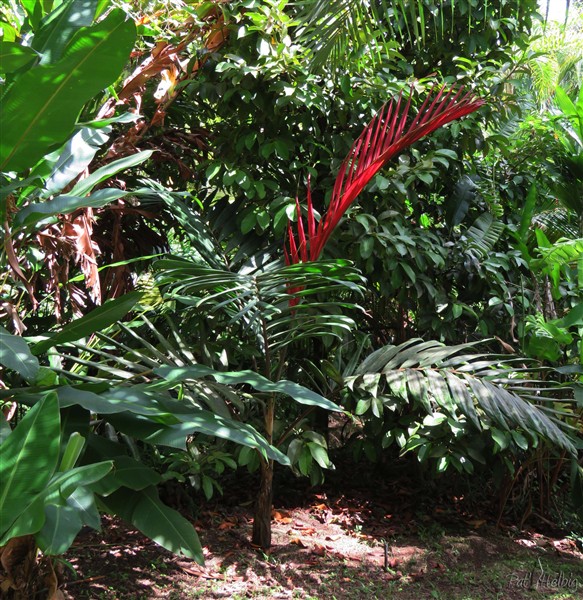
[28,459]
[39,110]
[160,523]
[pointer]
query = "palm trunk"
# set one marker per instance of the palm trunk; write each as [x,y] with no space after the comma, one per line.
[262,520]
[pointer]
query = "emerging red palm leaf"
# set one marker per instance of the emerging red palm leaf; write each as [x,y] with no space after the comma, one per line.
[385,136]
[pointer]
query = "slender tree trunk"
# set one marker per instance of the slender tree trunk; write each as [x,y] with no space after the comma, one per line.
[262,520]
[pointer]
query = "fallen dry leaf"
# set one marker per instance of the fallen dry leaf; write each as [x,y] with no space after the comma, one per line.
[417,574]
[298,542]
[203,575]
[281,517]
[476,523]
[319,550]
[310,563]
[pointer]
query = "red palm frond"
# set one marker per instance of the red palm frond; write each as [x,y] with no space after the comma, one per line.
[390,132]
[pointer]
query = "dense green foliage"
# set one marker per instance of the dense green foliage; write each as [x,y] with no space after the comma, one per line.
[155,158]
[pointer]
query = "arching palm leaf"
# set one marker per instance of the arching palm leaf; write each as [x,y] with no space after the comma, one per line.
[332,27]
[259,300]
[483,234]
[557,222]
[488,390]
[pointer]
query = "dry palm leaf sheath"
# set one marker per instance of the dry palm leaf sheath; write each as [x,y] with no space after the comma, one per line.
[390,132]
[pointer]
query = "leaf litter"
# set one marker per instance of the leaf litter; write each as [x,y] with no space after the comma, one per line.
[376,541]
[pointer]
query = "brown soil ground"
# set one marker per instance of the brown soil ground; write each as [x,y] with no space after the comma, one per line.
[374,541]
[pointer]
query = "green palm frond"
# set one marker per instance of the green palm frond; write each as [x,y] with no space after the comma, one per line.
[265,302]
[488,391]
[128,354]
[335,27]
[195,237]
[556,223]
[544,73]
[483,234]
[562,252]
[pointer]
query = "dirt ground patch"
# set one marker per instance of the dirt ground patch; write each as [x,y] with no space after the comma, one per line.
[332,547]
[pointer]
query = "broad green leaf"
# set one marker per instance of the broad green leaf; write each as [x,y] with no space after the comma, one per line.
[305,462]
[501,438]
[30,520]
[36,213]
[14,56]
[160,523]
[96,320]
[5,429]
[203,421]
[34,10]
[110,401]
[544,348]
[9,33]
[86,185]
[166,526]
[61,526]
[520,440]
[28,459]
[298,392]
[434,419]
[126,117]
[72,452]
[75,156]
[16,355]
[319,454]
[58,27]
[62,485]
[569,109]
[129,473]
[83,501]
[39,111]
[573,317]
[362,406]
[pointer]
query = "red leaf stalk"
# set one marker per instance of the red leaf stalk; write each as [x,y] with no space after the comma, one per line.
[389,133]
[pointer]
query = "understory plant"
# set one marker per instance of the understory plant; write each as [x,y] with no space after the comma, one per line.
[453,406]
[62,462]
[279,305]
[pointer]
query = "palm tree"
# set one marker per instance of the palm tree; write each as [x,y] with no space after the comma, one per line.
[335,28]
